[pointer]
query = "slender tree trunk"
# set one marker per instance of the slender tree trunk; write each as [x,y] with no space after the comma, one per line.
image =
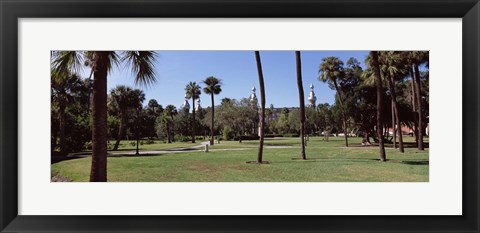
[98,171]
[169,133]
[54,140]
[393,94]
[212,127]
[137,133]
[240,137]
[262,105]
[172,132]
[301,97]
[399,130]
[394,130]
[414,107]
[63,138]
[193,119]
[365,138]
[378,84]
[327,130]
[121,129]
[344,117]
[418,87]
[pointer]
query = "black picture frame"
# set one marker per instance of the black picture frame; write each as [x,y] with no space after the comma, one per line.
[11,11]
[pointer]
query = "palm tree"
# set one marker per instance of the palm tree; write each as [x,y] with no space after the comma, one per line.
[415,59]
[301,97]
[170,111]
[324,109]
[101,62]
[213,87]
[63,87]
[154,107]
[124,98]
[138,98]
[262,105]
[193,91]
[391,66]
[331,70]
[373,62]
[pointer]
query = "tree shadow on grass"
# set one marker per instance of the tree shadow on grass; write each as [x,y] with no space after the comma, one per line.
[419,162]
[408,144]
[134,155]
[56,159]
[359,160]
[72,157]
[389,145]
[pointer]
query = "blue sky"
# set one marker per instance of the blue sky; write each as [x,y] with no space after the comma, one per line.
[238,72]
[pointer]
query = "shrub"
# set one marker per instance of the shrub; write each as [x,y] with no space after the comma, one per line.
[181,138]
[227,133]
[291,135]
[273,135]
[88,145]
[149,141]
[247,137]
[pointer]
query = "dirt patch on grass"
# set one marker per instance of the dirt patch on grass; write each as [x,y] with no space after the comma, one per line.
[58,178]
[255,162]
[202,167]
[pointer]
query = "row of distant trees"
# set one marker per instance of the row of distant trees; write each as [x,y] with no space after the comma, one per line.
[386,71]
[363,98]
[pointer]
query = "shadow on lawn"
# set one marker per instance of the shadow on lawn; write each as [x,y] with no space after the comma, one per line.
[72,157]
[419,162]
[57,159]
[357,160]
[408,144]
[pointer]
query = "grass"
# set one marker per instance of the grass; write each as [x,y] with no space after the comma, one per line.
[327,162]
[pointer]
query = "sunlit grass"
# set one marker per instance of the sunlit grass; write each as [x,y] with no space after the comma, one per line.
[327,161]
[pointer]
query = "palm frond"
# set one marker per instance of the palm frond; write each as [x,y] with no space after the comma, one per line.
[142,65]
[213,85]
[65,62]
[192,90]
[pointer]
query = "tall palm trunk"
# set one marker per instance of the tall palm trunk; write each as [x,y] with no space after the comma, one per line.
[301,97]
[394,130]
[378,84]
[54,140]
[395,111]
[121,129]
[344,117]
[327,131]
[193,119]
[414,107]
[169,139]
[418,88]
[137,131]
[63,141]
[211,128]
[262,105]
[98,171]
[173,129]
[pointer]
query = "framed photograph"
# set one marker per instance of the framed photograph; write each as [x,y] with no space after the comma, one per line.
[251,116]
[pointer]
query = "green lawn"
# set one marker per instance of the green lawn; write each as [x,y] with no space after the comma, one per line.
[327,162]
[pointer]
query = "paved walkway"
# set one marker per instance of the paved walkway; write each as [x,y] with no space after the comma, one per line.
[197,148]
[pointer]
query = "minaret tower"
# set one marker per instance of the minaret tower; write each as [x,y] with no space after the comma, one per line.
[253,98]
[186,105]
[197,106]
[312,99]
